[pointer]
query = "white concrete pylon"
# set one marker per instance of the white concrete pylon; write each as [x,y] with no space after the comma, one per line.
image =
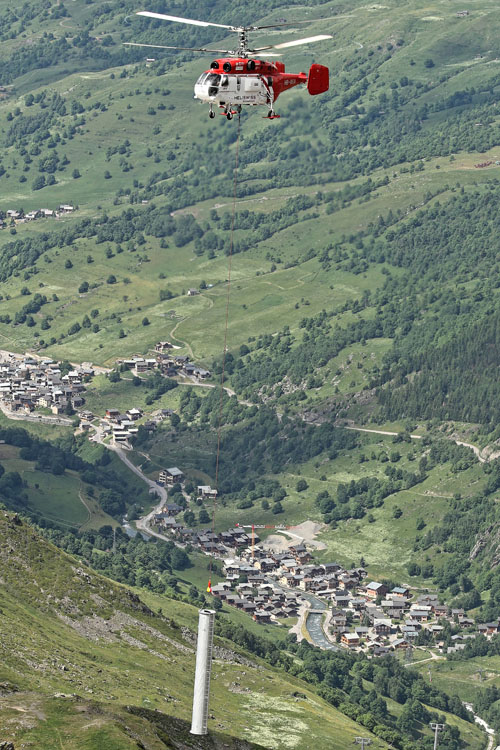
[201,694]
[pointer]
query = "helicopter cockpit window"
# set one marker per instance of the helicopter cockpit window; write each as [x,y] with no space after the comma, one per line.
[224,81]
[201,79]
[213,79]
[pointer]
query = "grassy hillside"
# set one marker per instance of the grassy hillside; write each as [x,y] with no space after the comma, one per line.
[66,484]
[125,670]
[90,663]
[120,129]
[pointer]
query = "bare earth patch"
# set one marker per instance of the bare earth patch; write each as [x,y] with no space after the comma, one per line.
[304,533]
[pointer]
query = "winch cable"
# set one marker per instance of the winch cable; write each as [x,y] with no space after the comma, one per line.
[223,373]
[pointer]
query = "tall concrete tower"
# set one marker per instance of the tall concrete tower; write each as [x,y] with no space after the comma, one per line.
[203,669]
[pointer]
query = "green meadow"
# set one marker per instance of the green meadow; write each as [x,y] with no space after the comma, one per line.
[156,115]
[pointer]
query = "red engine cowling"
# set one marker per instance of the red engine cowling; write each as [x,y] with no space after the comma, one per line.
[318,80]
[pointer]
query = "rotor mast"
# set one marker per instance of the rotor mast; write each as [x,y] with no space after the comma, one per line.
[243,50]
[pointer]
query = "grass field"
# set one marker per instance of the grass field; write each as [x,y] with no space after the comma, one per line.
[116,109]
[39,429]
[63,499]
[463,678]
[54,498]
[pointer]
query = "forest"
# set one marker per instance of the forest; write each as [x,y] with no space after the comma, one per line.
[110,487]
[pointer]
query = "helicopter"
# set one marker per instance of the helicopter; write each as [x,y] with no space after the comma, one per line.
[241,78]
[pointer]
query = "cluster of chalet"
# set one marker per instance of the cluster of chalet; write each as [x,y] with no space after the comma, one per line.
[294,569]
[269,586]
[219,545]
[18,216]
[121,425]
[27,383]
[163,360]
[205,540]
[276,581]
[265,601]
[372,619]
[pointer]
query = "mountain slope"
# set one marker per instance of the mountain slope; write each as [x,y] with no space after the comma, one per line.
[66,630]
[102,140]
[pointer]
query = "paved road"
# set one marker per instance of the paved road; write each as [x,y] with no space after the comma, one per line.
[379,432]
[159,490]
[229,391]
[142,524]
[479,453]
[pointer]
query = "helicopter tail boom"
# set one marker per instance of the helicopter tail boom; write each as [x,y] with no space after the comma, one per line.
[318,80]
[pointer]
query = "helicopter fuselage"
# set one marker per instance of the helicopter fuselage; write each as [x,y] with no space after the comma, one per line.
[231,83]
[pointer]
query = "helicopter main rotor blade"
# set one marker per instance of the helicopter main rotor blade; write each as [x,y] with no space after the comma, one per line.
[284,45]
[163,17]
[191,49]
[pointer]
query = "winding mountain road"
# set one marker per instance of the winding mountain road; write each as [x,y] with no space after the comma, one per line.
[142,524]
[477,451]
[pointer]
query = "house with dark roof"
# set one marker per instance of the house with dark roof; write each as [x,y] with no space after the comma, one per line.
[170,476]
[374,589]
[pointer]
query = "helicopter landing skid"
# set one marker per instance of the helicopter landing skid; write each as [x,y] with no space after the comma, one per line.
[230,113]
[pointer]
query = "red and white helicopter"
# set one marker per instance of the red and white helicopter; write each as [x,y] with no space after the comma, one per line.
[237,80]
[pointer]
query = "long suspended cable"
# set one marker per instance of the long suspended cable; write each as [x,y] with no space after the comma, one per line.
[224,351]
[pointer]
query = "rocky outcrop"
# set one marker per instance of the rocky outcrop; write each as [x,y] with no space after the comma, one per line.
[488,542]
[220,653]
